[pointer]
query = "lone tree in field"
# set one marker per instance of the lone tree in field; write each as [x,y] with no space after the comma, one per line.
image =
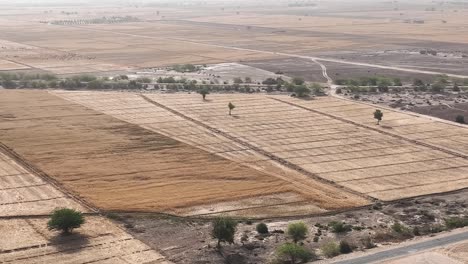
[224,229]
[297,231]
[65,220]
[378,115]
[231,107]
[294,253]
[204,92]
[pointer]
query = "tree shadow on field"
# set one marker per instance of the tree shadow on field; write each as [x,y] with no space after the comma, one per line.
[70,243]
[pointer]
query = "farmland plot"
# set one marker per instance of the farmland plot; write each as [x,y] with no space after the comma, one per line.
[119,166]
[331,140]
[24,197]
[98,241]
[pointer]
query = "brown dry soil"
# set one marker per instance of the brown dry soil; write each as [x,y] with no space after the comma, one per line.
[191,241]
[444,111]
[119,166]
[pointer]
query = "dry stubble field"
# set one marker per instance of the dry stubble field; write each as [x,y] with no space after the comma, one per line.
[334,139]
[121,166]
[179,35]
[25,197]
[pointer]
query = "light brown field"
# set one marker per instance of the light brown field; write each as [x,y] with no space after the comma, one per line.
[335,139]
[179,35]
[120,166]
[98,241]
[25,197]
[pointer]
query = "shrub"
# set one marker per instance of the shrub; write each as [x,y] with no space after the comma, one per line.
[456,222]
[345,247]
[397,82]
[224,229]
[262,228]
[294,253]
[438,87]
[330,249]
[339,227]
[297,231]
[401,230]
[65,220]
[367,243]
[237,80]
[298,81]
[460,119]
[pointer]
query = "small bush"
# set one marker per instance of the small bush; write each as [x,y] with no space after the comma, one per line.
[456,222]
[262,228]
[330,249]
[297,231]
[401,230]
[293,253]
[367,243]
[345,247]
[339,227]
[460,119]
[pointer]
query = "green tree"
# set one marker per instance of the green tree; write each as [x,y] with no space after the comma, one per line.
[301,91]
[297,231]
[203,92]
[231,107]
[65,220]
[224,229]
[378,115]
[294,253]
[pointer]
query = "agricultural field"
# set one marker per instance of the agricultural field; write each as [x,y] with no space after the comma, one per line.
[120,166]
[26,198]
[329,138]
[164,35]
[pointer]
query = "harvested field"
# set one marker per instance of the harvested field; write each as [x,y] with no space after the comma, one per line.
[22,193]
[26,198]
[334,139]
[98,241]
[116,165]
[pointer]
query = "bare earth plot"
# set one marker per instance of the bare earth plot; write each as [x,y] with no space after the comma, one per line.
[116,165]
[334,139]
[26,239]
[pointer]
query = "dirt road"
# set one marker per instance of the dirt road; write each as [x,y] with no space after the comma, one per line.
[438,241]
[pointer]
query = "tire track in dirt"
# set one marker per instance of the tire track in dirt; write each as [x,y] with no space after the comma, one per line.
[413,141]
[269,155]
